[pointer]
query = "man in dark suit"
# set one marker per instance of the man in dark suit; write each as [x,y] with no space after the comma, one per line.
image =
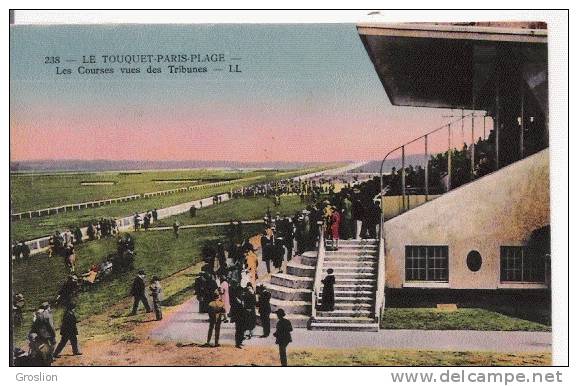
[264,306]
[283,335]
[139,293]
[25,249]
[68,332]
[266,249]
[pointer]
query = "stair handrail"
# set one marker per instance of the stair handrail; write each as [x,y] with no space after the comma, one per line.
[402,147]
[380,292]
[318,269]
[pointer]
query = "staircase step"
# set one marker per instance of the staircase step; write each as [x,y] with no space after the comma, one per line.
[301,270]
[353,306]
[346,313]
[354,275]
[354,287]
[286,280]
[343,319]
[339,280]
[354,247]
[350,248]
[353,293]
[350,254]
[286,293]
[369,270]
[349,257]
[354,299]
[345,326]
[311,261]
[359,242]
[349,263]
[292,306]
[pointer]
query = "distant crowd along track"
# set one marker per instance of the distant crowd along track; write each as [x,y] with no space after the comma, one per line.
[41,244]
[94,204]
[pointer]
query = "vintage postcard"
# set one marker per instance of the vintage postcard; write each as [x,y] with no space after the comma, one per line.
[322,194]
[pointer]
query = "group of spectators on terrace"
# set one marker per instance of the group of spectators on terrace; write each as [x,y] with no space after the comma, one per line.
[461,172]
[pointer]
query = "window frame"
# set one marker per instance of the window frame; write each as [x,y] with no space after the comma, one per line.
[522,249]
[434,254]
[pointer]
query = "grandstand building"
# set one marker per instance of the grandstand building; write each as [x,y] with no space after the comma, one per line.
[491,236]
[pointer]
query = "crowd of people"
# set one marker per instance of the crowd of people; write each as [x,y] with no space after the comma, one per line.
[313,188]
[227,287]
[144,222]
[42,348]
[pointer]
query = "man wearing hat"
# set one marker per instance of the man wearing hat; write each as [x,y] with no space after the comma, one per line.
[48,313]
[68,291]
[282,335]
[216,316]
[68,332]
[138,292]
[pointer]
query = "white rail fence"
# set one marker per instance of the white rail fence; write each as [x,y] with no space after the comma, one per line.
[108,201]
[41,244]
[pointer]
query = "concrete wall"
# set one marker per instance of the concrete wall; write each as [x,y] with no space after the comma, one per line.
[500,209]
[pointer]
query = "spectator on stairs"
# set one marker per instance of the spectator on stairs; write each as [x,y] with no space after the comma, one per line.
[328,296]
[335,221]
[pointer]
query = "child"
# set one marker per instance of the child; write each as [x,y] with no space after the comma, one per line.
[156,292]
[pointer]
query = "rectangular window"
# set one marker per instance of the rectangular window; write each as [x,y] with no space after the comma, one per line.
[517,265]
[426,263]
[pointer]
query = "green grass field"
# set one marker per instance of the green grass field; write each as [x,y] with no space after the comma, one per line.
[38,191]
[383,357]
[158,252]
[27,229]
[461,319]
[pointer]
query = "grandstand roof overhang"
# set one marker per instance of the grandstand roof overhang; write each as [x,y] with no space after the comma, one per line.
[454,66]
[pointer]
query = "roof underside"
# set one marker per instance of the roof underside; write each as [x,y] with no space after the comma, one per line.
[451,66]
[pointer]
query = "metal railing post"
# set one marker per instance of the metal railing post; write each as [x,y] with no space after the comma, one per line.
[463,136]
[426,176]
[522,123]
[497,122]
[449,157]
[473,148]
[403,175]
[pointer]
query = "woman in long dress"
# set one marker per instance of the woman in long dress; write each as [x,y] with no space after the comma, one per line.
[328,296]
[251,261]
[224,292]
[335,225]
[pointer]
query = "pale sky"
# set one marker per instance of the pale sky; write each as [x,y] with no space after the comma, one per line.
[306,93]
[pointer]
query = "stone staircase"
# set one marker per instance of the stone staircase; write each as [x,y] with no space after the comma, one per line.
[292,290]
[355,269]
